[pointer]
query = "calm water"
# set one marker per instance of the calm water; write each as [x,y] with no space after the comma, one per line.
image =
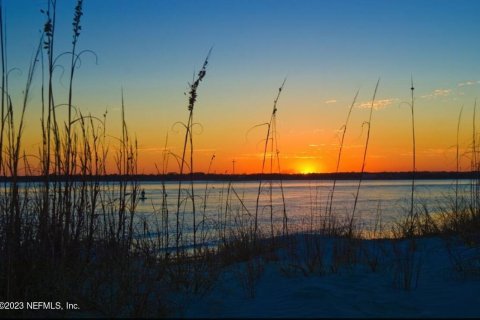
[305,201]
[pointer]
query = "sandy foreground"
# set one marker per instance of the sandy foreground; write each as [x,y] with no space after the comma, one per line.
[435,279]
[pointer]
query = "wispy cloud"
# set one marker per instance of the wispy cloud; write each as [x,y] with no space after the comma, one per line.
[252,155]
[209,150]
[442,92]
[330,101]
[437,151]
[438,93]
[153,149]
[468,83]
[281,155]
[377,104]
[295,132]
[163,149]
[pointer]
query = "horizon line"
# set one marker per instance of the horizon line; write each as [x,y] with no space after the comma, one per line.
[399,175]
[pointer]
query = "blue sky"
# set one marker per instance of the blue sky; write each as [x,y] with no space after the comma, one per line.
[322,39]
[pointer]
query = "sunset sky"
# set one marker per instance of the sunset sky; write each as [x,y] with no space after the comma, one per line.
[327,50]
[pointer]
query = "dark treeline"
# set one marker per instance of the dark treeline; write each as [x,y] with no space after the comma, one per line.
[200,176]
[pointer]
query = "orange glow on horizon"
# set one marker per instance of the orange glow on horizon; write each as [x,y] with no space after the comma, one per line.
[306,144]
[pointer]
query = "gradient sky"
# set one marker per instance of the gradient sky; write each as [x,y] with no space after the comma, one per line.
[327,50]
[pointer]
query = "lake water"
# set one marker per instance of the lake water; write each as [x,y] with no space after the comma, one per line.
[234,205]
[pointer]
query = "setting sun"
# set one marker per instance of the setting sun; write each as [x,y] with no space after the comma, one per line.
[307,168]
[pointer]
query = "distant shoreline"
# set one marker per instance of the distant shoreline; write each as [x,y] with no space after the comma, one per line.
[199,176]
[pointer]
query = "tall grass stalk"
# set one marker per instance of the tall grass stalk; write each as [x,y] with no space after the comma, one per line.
[267,140]
[282,192]
[189,140]
[69,167]
[412,200]
[227,206]
[275,153]
[205,199]
[474,194]
[165,218]
[49,31]
[4,84]
[342,140]
[457,158]
[350,226]
[412,221]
